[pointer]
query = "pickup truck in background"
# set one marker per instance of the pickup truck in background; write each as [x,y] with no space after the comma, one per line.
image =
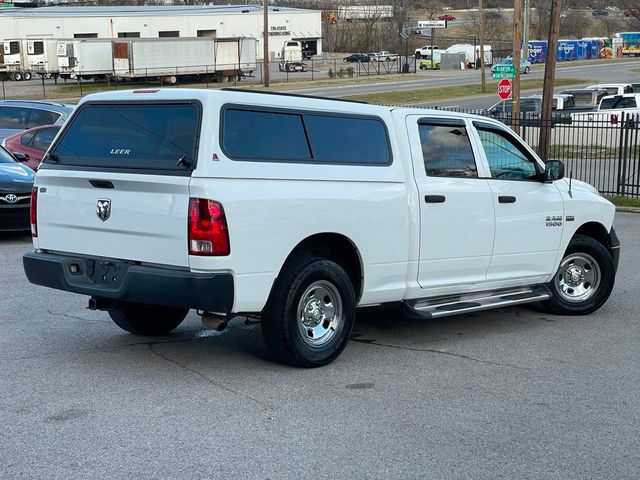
[383,56]
[155,202]
[425,51]
[612,108]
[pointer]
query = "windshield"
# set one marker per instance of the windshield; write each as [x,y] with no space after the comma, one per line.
[5,157]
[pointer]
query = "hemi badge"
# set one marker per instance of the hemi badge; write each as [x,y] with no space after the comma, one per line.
[570,218]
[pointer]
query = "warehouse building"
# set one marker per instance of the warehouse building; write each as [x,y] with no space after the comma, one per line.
[285,24]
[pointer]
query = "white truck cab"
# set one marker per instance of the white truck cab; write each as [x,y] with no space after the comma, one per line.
[154,202]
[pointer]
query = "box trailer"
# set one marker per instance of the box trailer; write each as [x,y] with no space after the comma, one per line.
[169,58]
[629,43]
[537,51]
[89,58]
[42,56]
[15,59]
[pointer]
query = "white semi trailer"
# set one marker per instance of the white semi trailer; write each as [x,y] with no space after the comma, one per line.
[154,58]
[42,57]
[15,59]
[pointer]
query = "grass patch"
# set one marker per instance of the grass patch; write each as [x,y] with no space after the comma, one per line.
[440,93]
[619,201]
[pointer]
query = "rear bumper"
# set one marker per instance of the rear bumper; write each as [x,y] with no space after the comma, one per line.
[128,282]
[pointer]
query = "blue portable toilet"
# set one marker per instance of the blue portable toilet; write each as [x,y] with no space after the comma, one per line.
[567,50]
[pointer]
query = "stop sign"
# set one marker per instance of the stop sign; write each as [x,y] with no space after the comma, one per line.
[504,89]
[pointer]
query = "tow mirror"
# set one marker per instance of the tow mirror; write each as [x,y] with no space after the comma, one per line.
[553,170]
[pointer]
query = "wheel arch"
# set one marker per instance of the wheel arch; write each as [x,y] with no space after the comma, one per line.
[595,230]
[333,246]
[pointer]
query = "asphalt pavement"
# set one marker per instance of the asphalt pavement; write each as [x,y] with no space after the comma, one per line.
[513,393]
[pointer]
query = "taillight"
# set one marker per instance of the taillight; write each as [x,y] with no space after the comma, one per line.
[34,212]
[208,234]
[614,118]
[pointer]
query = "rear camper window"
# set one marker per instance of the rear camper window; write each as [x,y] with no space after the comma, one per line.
[155,137]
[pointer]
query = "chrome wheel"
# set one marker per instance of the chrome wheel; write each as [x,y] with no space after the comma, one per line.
[319,313]
[578,278]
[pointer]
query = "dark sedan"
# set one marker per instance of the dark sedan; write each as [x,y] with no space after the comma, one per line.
[357,57]
[16,182]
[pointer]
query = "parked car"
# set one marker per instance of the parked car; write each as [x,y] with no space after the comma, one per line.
[357,57]
[525,65]
[447,17]
[443,212]
[18,115]
[383,56]
[600,12]
[32,143]
[16,183]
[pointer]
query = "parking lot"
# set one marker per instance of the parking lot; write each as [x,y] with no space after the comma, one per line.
[514,393]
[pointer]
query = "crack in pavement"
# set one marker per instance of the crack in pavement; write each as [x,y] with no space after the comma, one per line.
[440,352]
[200,375]
[51,312]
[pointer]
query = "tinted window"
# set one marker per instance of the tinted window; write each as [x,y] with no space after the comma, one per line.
[42,117]
[26,139]
[608,102]
[347,140]
[506,159]
[14,117]
[268,135]
[627,102]
[131,136]
[447,151]
[43,138]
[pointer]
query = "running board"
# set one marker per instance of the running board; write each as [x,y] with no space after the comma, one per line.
[458,304]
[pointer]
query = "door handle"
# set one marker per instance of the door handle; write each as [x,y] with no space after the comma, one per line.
[506,199]
[434,198]
[101,183]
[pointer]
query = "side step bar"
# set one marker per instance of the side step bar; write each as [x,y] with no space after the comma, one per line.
[458,304]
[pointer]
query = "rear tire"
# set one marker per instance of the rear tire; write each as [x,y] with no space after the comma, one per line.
[310,314]
[526,70]
[27,76]
[584,279]
[17,77]
[149,320]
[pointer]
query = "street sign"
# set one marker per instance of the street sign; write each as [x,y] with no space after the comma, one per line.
[432,24]
[504,89]
[504,71]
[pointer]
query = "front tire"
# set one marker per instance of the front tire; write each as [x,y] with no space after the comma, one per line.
[149,320]
[310,314]
[584,279]
[526,70]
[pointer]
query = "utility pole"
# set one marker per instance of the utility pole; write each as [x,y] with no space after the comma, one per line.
[549,78]
[483,79]
[265,42]
[526,20]
[517,37]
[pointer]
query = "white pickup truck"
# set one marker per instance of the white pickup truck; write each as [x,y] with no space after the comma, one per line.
[383,56]
[235,203]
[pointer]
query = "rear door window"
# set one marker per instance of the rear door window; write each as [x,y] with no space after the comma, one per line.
[42,117]
[43,138]
[14,117]
[446,149]
[132,136]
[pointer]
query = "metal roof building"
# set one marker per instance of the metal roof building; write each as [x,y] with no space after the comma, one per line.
[166,21]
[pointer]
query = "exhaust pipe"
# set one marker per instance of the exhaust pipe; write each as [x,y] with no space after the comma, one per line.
[214,321]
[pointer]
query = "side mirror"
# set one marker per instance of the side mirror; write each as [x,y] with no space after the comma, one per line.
[553,170]
[21,157]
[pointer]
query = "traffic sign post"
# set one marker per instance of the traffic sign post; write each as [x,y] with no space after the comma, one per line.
[504,89]
[504,71]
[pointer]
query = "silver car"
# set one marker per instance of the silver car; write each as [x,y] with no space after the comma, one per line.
[18,115]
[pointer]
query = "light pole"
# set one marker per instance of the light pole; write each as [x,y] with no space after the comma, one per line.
[265,42]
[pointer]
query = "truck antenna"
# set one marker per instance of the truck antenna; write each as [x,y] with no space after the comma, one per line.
[570,179]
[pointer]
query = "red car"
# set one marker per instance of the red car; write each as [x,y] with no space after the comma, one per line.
[447,17]
[32,143]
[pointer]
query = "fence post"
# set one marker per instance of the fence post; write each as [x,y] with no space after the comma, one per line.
[80,82]
[335,69]
[4,95]
[44,91]
[624,151]
[312,69]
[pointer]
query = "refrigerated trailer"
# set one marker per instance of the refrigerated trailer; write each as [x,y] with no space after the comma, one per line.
[42,57]
[89,58]
[15,59]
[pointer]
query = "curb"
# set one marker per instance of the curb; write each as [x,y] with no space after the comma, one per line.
[628,209]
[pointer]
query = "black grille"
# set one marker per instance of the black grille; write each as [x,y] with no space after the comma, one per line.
[14,219]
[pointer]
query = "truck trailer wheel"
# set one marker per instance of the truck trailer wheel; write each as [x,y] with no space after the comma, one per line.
[16,77]
[27,76]
[150,320]
[308,319]
[584,280]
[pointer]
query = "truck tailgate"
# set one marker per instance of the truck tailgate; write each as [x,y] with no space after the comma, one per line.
[140,217]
